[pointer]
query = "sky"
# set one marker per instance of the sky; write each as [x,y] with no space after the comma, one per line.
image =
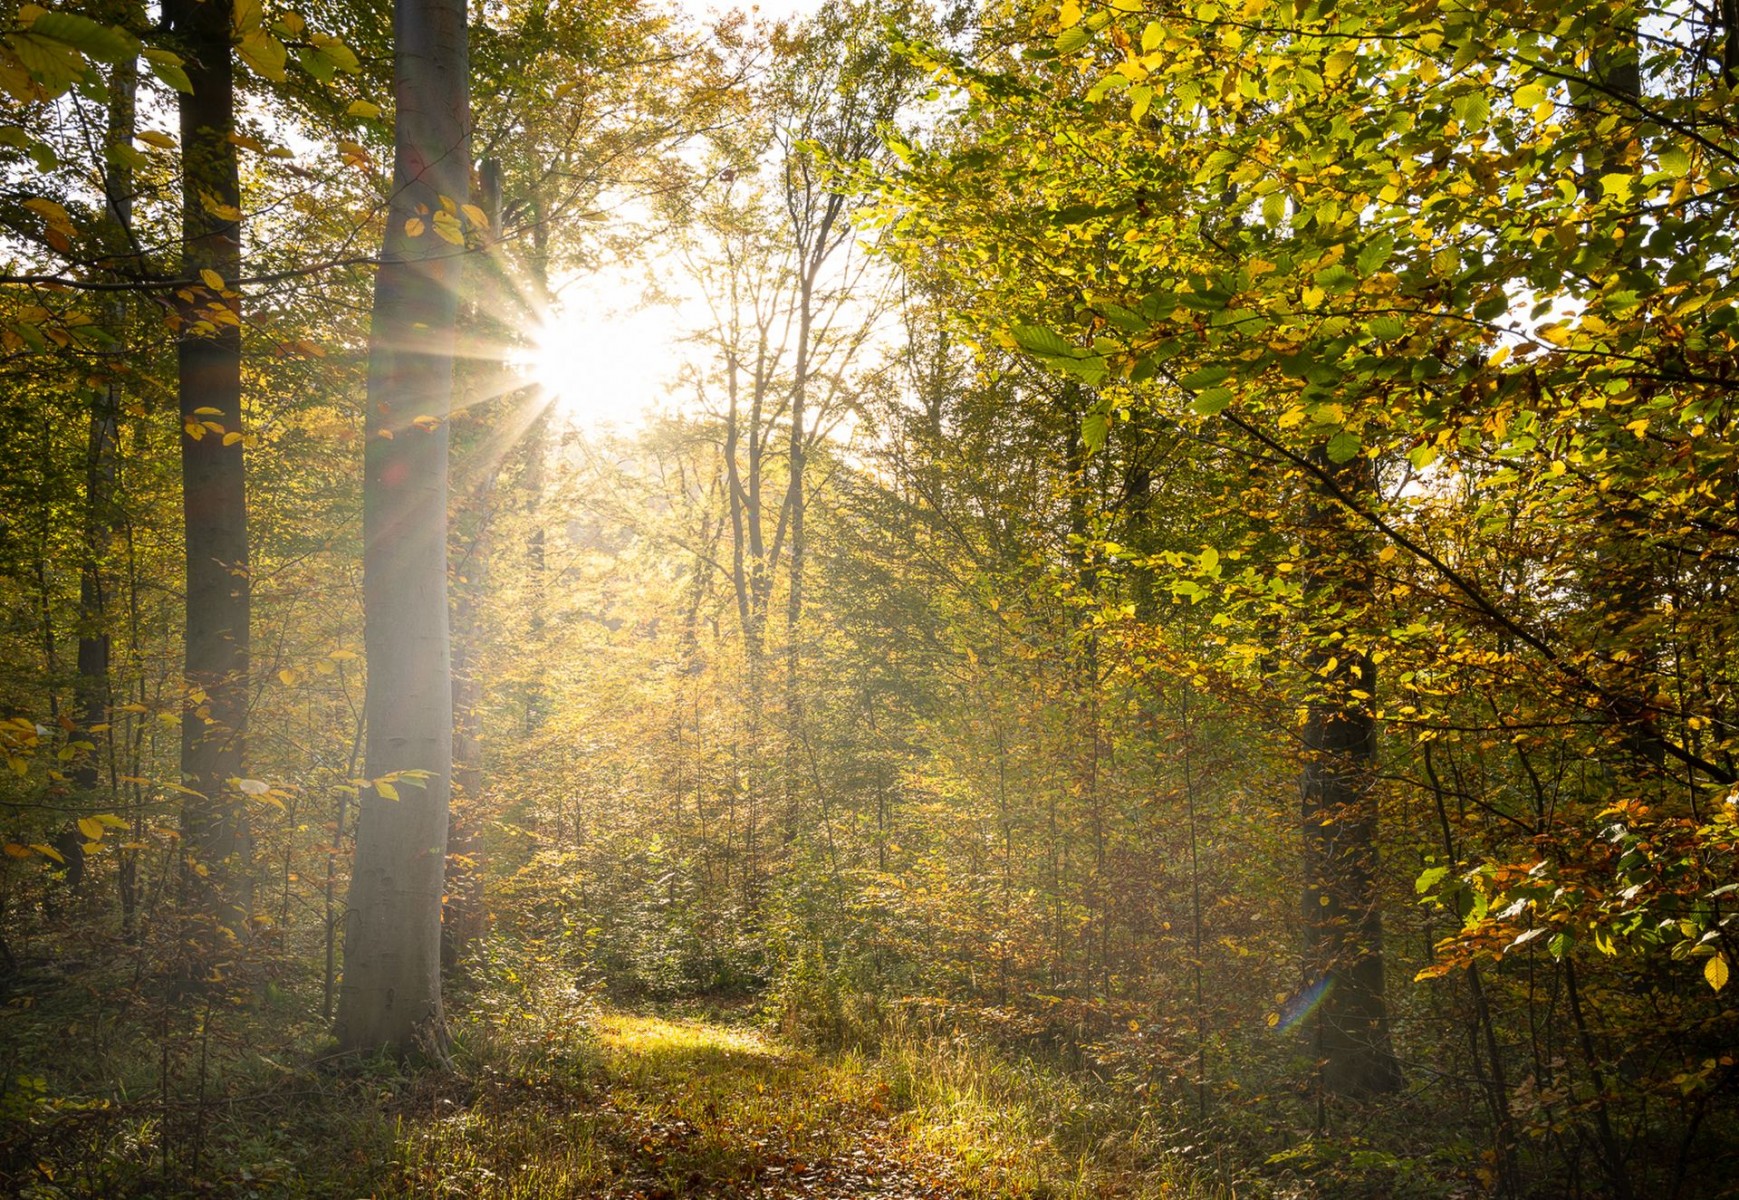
[606,357]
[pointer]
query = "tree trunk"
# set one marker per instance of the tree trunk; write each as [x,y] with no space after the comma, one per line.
[462,914]
[1343,917]
[391,994]
[94,642]
[216,841]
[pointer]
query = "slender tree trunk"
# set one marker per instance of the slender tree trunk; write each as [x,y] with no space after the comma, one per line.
[391,994]
[462,912]
[100,464]
[1343,918]
[216,839]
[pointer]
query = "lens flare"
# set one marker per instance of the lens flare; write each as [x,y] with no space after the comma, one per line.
[1298,1009]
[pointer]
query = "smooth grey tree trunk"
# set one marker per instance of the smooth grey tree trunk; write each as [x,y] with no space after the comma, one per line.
[390,998]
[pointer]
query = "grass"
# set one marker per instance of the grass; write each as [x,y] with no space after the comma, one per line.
[1015,1128]
[552,1097]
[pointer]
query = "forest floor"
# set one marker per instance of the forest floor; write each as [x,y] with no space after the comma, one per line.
[669,1108]
[550,1096]
[695,1109]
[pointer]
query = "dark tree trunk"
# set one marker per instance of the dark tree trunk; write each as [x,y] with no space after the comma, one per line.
[1343,918]
[94,687]
[391,996]
[216,841]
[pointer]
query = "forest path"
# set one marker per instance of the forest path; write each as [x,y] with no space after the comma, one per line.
[690,1109]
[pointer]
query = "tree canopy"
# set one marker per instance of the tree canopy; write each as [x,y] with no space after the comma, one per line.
[1160,621]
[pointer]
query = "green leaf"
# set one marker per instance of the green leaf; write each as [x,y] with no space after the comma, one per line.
[1428,879]
[1343,447]
[1471,109]
[1375,254]
[319,65]
[1071,40]
[1212,402]
[1123,318]
[1492,307]
[1039,340]
[1387,327]
[167,67]
[1217,164]
[1336,279]
[1675,161]
[1094,428]
[55,64]
[1205,377]
[1089,370]
[105,43]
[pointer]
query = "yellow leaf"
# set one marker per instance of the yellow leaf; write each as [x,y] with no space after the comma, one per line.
[14,850]
[1715,971]
[47,851]
[153,137]
[475,215]
[213,280]
[447,228]
[91,828]
[218,209]
[54,213]
[289,676]
[386,791]
[362,108]
[414,227]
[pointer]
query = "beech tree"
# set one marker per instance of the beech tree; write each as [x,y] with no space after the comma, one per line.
[391,993]
[217,841]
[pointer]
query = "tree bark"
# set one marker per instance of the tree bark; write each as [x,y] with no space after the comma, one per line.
[1343,917]
[391,994]
[216,840]
[462,914]
[100,466]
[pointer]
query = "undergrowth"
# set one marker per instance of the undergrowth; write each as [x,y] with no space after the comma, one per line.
[549,1095]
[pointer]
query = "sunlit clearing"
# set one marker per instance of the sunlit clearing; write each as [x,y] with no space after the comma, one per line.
[602,367]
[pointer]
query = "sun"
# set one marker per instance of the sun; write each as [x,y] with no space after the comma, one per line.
[602,359]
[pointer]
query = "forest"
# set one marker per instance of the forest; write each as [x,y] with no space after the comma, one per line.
[1036,598]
